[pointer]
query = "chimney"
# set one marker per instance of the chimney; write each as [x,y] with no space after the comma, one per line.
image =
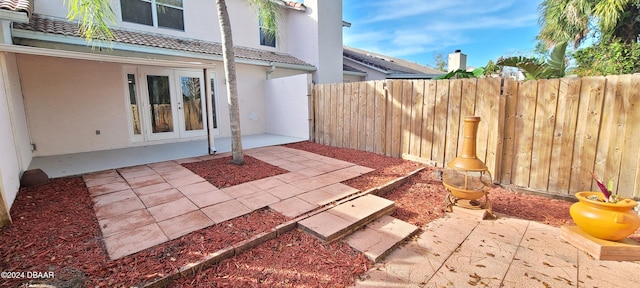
[457,60]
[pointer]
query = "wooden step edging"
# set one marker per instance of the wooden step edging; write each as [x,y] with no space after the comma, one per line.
[238,248]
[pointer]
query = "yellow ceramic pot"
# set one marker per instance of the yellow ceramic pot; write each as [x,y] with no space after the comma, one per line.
[608,221]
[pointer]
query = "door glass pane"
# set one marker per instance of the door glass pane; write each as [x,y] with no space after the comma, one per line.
[169,17]
[136,11]
[192,105]
[213,104]
[135,119]
[160,103]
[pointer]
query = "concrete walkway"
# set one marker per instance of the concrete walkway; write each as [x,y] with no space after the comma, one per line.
[458,251]
[142,206]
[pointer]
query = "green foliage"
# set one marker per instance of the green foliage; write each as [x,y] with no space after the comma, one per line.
[459,74]
[96,16]
[268,15]
[613,58]
[574,21]
[535,68]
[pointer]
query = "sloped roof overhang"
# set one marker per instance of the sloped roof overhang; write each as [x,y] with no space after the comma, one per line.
[45,30]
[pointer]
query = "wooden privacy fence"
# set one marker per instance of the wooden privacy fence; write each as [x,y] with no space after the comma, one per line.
[544,136]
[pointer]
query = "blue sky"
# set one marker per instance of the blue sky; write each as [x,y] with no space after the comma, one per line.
[417,30]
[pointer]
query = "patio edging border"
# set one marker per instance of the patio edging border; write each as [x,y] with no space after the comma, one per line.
[244,245]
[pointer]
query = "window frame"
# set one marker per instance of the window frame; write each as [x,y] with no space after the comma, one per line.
[154,14]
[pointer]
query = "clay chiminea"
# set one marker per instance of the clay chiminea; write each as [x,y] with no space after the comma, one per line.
[466,177]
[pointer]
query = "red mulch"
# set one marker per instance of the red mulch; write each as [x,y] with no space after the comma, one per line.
[55,230]
[213,169]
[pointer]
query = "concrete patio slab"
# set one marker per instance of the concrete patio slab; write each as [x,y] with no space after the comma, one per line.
[152,188]
[185,224]
[132,241]
[118,207]
[144,181]
[458,251]
[123,222]
[225,211]
[105,199]
[258,200]
[285,191]
[157,198]
[108,188]
[380,237]
[177,201]
[293,207]
[172,209]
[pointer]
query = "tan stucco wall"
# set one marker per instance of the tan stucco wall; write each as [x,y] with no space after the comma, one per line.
[68,100]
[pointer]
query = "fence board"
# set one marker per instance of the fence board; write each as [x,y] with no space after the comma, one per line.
[467,106]
[453,121]
[564,135]
[339,132]
[493,122]
[629,183]
[416,117]
[440,122]
[428,112]
[353,122]
[407,100]
[526,108]
[362,115]
[347,89]
[510,92]
[584,156]
[543,132]
[396,119]
[380,116]
[370,116]
[607,162]
[484,102]
[321,123]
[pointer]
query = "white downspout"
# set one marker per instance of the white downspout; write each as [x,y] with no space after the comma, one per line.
[271,70]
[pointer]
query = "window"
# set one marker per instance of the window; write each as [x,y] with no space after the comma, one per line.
[266,38]
[156,13]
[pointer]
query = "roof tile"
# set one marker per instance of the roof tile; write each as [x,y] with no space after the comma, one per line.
[43,24]
[17,6]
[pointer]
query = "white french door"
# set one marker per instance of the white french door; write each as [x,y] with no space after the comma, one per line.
[168,104]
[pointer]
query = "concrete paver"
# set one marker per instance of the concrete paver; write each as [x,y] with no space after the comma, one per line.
[225,211]
[458,251]
[292,207]
[135,240]
[185,224]
[172,209]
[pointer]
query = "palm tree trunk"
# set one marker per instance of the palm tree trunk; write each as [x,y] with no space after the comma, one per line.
[232,85]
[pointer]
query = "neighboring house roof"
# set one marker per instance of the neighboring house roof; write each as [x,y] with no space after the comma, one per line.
[386,64]
[56,26]
[346,67]
[17,6]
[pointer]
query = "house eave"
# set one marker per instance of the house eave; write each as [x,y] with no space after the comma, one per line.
[18,49]
[412,76]
[14,16]
[354,73]
[71,40]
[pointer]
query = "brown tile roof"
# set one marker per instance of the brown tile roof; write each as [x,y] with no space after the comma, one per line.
[61,27]
[295,5]
[18,6]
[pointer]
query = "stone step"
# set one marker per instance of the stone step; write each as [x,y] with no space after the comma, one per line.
[342,220]
[381,236]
